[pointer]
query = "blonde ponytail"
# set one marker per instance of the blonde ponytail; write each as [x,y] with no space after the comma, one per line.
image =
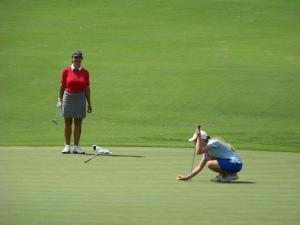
[220,139]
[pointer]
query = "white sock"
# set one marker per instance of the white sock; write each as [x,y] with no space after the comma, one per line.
[76,146]
[68,146]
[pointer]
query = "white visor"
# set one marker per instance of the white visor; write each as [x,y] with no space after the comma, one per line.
[203,136]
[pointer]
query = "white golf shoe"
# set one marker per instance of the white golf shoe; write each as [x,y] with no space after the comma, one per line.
[229,178]
[77,150]
[100,150]
[217,178]
[66,150]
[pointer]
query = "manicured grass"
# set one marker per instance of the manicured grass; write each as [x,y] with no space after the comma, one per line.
[158,69]
[39,185]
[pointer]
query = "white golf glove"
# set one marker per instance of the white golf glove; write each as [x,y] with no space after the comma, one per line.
[100,150]
[59,103]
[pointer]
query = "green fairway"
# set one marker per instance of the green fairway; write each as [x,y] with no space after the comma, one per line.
[39,186]
[158,69]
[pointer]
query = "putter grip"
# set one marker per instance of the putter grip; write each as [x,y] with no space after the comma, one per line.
[199,126]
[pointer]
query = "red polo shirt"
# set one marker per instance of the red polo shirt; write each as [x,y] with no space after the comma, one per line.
[75,80]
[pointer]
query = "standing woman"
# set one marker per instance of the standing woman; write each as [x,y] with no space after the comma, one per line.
[73,93]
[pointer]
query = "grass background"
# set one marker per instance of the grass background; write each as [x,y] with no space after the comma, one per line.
[137,186]
[158,69]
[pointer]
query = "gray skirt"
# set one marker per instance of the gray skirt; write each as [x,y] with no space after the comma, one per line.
[73,105]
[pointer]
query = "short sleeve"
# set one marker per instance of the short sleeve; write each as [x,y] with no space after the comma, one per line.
[64,76]
[214,143]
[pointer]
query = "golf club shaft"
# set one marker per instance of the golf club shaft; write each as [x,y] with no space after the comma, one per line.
[194,158]
[92,157]
[54,120]
[192,165]
[57,113]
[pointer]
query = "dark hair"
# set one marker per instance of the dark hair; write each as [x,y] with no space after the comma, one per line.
[207,137]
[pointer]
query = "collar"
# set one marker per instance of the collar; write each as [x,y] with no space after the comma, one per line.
[73,68]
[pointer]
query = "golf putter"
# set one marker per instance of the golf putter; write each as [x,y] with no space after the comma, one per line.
[54,121]
[193,160]
[94,148]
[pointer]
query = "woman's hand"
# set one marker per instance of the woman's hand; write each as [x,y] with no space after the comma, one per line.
[198,132]
[183,177]
[89,109]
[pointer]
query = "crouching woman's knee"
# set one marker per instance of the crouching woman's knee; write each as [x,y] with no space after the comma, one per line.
[209,164]
[212,163]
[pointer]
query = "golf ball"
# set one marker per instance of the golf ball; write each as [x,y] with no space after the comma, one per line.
[177,178]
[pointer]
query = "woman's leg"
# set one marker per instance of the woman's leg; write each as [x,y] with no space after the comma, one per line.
[214,166]
[68,130]
[77,130]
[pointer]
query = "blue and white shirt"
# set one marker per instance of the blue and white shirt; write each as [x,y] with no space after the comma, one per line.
[222,151]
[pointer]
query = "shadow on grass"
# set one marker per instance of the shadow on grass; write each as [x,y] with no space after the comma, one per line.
[219,182]
[237,182]
[108,155]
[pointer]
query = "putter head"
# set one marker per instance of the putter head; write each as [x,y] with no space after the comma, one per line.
[55,122]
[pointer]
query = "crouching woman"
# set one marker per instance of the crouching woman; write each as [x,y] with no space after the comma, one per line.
[219,156]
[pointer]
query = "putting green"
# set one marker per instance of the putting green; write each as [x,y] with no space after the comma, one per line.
[39,185]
